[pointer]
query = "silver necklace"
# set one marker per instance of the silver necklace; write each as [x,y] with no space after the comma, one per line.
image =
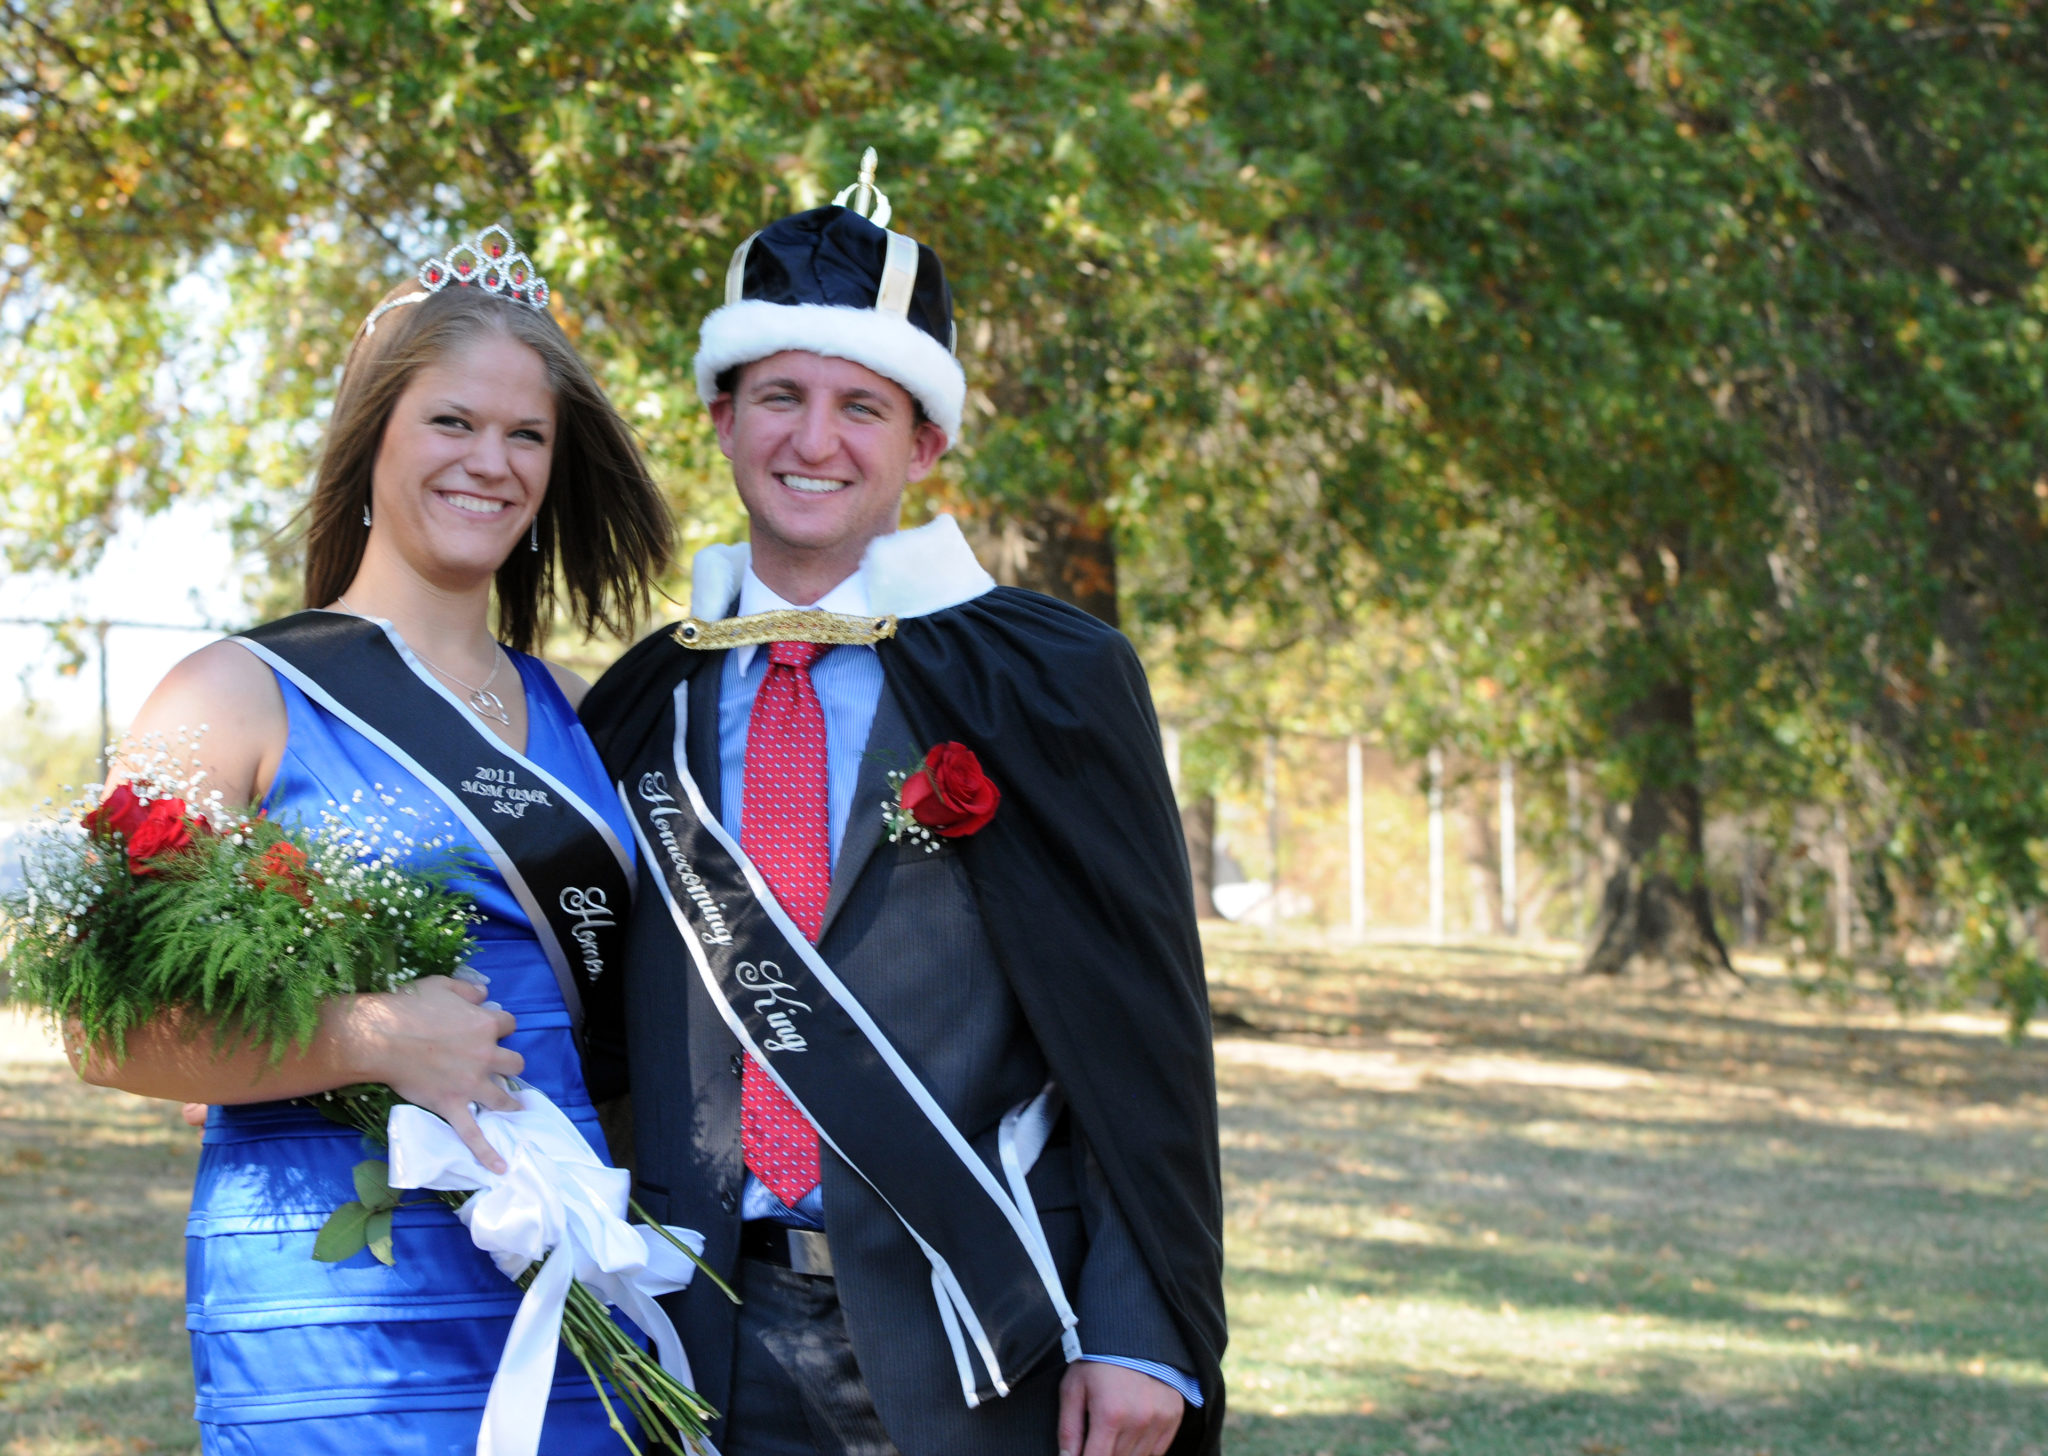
[482,701]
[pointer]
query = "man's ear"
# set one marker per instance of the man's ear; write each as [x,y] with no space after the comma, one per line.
[927,444]
[723,411]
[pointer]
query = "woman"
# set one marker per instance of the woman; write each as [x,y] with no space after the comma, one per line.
[470,450]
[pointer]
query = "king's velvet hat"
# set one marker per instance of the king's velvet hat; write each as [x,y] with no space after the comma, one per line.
[833,282]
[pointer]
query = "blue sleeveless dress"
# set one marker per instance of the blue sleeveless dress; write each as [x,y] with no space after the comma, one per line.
[290,1355]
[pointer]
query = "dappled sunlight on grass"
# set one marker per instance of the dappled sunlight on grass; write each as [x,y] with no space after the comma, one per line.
[1476,1204]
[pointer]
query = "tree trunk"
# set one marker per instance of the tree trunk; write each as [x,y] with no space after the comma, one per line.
[1656,907]
[1198,826]
[1510,882]
[1354,832]
[1482,865]
[1063,550]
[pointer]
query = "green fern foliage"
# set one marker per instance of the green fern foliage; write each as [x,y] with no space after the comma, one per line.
[146,909]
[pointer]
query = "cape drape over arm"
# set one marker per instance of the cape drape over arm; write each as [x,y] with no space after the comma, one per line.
[625,707]
[1083,884]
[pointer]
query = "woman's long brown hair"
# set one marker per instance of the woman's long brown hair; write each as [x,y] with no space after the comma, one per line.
[603,519]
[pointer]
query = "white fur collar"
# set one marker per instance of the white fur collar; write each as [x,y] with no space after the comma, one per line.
[910,574]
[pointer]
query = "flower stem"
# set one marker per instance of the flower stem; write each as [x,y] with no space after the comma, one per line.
[670,1414]
[695,1258]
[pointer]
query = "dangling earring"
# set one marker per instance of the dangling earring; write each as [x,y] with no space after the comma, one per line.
[533,533]
[366,515]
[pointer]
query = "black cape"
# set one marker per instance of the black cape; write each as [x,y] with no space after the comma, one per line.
[1082,882]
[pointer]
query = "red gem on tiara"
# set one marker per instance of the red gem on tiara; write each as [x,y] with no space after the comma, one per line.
[491,260]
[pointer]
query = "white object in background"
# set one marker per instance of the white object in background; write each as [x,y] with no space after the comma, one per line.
[1510,891]
[1436,845]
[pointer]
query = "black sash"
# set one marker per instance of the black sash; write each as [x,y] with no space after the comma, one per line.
[557,855]
[992,1270]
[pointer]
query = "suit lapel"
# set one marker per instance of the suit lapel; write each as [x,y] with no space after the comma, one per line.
[888,747]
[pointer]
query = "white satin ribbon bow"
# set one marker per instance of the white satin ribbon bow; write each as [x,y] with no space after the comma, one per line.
[556,1202]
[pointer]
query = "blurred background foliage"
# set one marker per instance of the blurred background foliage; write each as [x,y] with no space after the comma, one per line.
[1651,395]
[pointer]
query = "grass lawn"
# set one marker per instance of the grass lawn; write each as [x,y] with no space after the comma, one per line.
[1475,1206]
[93,1191]
[1478,1205]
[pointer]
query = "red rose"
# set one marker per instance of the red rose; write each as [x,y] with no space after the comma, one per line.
[163,830]
[119,813]
[282,867]
[951,794]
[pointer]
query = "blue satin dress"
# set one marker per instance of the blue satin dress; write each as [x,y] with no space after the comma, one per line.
[290,1355]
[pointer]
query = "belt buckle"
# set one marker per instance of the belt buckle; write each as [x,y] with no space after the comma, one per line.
[810,1252]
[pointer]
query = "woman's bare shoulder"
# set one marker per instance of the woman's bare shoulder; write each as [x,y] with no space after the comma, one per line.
[223,704]
[573,687]
[221,674]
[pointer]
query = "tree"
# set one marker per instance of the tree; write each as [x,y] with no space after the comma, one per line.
[1645,310]
[297,158]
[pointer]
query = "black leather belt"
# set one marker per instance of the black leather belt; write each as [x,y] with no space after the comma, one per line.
[803,1250]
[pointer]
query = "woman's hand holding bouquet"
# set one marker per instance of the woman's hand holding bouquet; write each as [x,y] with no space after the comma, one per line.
[436,1044]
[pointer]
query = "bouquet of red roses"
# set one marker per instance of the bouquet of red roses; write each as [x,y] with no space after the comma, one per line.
[148,904]
[151,905]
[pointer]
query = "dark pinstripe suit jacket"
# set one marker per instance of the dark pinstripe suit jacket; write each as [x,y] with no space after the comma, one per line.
[902,930]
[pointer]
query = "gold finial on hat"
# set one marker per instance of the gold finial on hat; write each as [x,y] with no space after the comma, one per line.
[864,197]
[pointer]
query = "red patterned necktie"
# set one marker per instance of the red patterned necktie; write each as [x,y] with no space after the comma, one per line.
[785,830]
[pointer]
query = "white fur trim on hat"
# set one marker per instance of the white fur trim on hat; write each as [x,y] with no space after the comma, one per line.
[740,333]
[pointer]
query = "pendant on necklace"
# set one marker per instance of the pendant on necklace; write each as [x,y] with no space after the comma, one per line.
[487,704]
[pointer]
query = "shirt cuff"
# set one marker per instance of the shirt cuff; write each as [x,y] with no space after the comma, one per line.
[1190,1389]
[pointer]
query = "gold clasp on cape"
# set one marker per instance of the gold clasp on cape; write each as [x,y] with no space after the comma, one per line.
[827,629]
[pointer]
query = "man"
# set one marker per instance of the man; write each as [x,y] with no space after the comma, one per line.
[913,1011]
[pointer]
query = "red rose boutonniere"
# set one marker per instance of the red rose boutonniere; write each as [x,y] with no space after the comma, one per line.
[947,796]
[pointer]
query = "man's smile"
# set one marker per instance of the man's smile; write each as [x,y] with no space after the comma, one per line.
[813,485]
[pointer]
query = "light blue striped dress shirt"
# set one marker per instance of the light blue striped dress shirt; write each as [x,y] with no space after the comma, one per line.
[848,681]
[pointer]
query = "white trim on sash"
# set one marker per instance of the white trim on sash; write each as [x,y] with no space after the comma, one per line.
[1019,1142]
[956,1313]
[952,1300]
[543,930]
[597,821]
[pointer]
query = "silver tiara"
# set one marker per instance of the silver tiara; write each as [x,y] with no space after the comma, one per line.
[490,261]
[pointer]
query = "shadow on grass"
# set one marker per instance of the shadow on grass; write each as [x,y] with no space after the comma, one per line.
[1860,1232]
[1848,1413]
[1481,999]
[1490,1206]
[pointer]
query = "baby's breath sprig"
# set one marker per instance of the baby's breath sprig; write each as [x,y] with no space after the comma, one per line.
[899,821]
